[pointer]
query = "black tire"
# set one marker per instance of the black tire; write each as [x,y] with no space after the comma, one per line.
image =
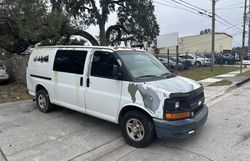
[197,64]
[146,122]
[44,106]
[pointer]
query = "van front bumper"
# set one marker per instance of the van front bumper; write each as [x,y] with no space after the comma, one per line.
[181,128]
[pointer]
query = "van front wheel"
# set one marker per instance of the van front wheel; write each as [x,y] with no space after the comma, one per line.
[43,102]
[137,129]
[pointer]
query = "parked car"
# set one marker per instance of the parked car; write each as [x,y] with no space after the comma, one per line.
[226,58]
[185,63]
[171,65]
[4,75]
[196,60]
[128,87]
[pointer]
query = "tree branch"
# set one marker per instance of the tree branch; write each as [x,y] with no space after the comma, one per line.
[95,10]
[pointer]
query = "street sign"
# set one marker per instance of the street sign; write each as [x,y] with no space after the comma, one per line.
[167,40]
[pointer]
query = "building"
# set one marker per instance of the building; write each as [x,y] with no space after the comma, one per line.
[202,43]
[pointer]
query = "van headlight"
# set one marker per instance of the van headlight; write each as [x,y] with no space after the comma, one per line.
[171,105]
[177,105]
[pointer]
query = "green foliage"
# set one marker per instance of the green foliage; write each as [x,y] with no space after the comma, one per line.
[139,19]
[136,17]
[27,22]
[24,23]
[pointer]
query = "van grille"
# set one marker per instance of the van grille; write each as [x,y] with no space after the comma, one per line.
[189,102]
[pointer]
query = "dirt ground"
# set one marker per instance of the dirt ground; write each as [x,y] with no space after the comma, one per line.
[10,92]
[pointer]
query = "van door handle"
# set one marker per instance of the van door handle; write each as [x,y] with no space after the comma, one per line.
[81,81]
[87,82]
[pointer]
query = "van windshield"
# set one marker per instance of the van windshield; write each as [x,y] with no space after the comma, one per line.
[143,65]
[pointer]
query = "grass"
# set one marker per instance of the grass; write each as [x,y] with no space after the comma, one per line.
[205,72]
[247,74]
[221,83]
[13,92]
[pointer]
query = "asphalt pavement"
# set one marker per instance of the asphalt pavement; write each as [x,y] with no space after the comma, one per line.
[27,134]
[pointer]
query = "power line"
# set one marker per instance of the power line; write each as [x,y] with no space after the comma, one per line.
[194,6]
[232,26]
[197,11]
[180,8]
[183,5]
[227,22]
[205,12]
[236,42]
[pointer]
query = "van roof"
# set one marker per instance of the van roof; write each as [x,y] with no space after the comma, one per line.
[94,47]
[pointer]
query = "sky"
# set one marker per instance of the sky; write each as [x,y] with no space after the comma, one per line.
[171,19]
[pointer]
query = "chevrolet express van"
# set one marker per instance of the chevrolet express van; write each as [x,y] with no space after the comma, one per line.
[128,87]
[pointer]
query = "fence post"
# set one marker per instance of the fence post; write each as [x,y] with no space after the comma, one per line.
[177,57]
[204,57]
[168,57]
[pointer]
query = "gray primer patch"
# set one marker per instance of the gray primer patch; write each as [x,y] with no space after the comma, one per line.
[150,98]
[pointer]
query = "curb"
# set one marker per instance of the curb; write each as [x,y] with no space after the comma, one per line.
[242,82]
[228,89]
[2,156]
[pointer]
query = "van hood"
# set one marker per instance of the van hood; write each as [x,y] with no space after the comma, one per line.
[176,84]
[153,94]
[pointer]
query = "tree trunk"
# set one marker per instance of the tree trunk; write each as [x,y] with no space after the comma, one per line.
[103,39]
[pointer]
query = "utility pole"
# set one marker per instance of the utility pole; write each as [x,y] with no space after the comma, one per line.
[213,33]
[249,28]
[244,35]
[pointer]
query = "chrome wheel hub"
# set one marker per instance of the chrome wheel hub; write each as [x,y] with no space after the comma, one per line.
[135,129]
[41,101]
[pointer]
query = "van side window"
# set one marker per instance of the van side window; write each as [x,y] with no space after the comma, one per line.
[70,61]
[102,64]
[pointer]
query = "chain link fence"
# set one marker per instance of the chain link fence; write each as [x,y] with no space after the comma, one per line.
[185,61]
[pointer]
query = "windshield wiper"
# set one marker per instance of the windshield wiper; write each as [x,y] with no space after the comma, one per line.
[146,76]
[169,75]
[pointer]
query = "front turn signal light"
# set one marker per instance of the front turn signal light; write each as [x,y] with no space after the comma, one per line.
[173,116]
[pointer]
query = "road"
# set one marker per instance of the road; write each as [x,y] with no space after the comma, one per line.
[27,134]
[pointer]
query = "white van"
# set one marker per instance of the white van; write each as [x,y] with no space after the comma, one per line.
[128,87]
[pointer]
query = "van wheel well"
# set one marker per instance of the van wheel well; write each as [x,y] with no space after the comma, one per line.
[40,87]
[131,108]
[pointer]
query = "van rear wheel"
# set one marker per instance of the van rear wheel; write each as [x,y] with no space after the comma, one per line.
[43,101]
[137,129]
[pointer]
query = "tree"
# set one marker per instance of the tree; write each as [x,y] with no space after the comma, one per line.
[136,19]
[15,19]
[27,22]
[24,23]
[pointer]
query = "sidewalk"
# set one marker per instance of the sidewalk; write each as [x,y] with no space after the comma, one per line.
[214,92]
[231,76]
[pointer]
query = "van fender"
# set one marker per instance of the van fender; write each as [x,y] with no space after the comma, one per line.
[136,106]
[41,84]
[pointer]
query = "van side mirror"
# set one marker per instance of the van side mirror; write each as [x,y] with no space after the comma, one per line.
[117,74]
